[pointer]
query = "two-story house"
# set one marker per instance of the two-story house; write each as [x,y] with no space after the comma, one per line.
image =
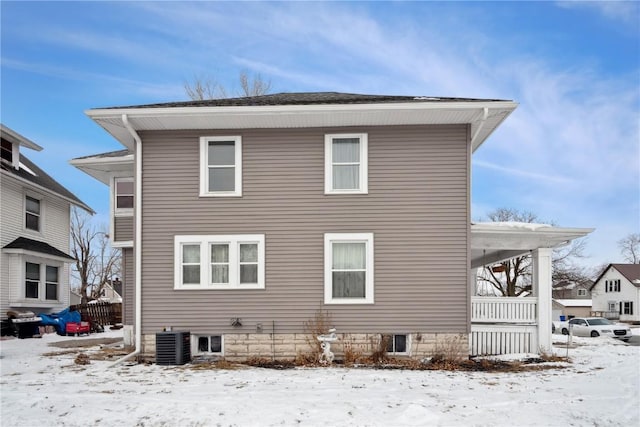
[616,292]
[34,232]
[240,218]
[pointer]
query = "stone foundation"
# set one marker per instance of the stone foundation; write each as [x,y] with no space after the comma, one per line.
[239,347]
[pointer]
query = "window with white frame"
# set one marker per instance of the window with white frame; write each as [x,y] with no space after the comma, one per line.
[397,343]
[41,281]
[219,262]
[221,166]
[582,292]
[348,263]
[626,307]
[346,163]
[32,213]
[123,196]
[208,344]
[612,285]
[612,306]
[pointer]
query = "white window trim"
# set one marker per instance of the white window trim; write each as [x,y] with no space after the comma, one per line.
[42,283]
[205,242]
[329,239]
[114,194]
[328,165]
[41,216]
[194,345]
[582,292]
[407,345]
[204,166]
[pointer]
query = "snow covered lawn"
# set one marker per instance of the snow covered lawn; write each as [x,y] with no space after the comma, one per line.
[600,387]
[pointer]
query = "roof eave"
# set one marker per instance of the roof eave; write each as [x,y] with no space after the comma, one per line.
[300,116]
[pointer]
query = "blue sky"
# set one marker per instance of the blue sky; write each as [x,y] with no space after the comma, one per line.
[570,152]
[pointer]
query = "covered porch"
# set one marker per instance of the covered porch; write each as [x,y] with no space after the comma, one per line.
[505,325]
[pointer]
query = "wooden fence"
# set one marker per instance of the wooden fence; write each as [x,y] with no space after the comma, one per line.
[100,313]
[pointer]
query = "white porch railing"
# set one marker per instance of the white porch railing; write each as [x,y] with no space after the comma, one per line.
[503,325]
[504,310]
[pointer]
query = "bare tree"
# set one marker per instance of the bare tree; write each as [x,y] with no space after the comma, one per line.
[630,248]
[203,87]
[96,262]
[512,277]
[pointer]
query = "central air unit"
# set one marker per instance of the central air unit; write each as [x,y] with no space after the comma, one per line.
[173,348]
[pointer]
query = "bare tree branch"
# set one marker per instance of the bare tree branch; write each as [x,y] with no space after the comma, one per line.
[630,248]
[96,263]
[203,87]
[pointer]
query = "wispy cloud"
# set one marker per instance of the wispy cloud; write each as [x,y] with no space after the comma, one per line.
[626,12]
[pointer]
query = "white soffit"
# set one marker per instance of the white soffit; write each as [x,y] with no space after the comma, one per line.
[491,243]
[303,116]
[103,168]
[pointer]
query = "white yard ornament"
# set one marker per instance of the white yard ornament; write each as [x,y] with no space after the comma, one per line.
[326,357]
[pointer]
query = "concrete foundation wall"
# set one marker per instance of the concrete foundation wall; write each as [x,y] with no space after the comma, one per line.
[239,347]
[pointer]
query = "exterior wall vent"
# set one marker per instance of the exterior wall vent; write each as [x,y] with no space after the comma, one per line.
[173,348]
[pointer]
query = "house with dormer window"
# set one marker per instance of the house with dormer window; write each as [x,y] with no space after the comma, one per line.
[34,231]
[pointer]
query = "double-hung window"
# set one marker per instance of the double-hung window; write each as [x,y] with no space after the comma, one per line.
[37,288]
[32,213]
[348,268]
[124,193]
[219,262]
[346,163]
[221,166]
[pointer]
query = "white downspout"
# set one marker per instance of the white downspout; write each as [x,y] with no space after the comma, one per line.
[137,242]
[483,119]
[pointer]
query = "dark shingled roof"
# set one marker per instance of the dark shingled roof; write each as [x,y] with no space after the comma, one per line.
[630,271]
[42,179]
[118,153]
[36,246]
[306,98]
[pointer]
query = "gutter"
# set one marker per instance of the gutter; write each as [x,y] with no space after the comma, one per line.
[137,247]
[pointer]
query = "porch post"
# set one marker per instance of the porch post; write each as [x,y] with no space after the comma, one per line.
[541,287]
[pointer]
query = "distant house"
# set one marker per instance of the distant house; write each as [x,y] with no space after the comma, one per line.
[34,232]
[571,290]
[571,307]
[616,292]
[239,218]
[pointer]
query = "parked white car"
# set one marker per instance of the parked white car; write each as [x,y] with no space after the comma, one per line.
[594,327]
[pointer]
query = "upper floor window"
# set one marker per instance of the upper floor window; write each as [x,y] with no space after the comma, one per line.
[346,169]
[612,285]
[32,213]
[219,262]
[221,166]
[582,292]
[348,263]
[7,151]
[123,194]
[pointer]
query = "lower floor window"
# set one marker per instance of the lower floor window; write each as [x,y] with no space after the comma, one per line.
[219,262]
[626,307]
[348,268]
[397,343]
[35,287]
[209,344]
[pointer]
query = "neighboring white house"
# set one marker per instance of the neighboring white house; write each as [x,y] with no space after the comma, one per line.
[616,293]
[34,232]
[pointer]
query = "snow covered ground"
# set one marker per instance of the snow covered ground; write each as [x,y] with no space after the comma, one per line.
[601,387]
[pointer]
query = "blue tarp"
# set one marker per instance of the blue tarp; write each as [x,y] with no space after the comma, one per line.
[60,320]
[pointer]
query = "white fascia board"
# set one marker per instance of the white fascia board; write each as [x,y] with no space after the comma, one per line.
[16,138]
[275,109]
[102,160]
[287,116]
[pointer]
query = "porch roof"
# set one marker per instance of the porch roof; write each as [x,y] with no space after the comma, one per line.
[497,241]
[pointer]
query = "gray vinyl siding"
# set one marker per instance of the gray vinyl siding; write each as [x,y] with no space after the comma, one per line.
[123,228]
[128,286]
[417,208]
